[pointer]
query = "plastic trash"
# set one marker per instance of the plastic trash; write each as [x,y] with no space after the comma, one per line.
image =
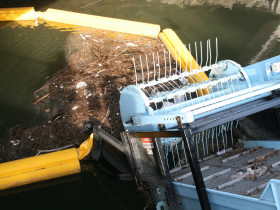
[81,85]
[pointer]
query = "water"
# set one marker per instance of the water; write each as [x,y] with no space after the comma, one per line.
[246,32]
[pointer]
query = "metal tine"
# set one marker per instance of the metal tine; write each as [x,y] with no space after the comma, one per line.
[169,62]
[212,135]
[176,60]
[190,57]
[147,68]
[217,139]
[196,145]
[146,92]
[207,52]
[216,50]
[172,154]
[202,141]
[237,121]
[222,131]
[180,60]
[166,154]
[164,62]
[158,67]
[154,67]
[201,54]
[210,56]
[178,152]
[231,132]
[142,70]
[225,127]
[135,71]
[186,57]
[207,137]
[195,54]
[183,147]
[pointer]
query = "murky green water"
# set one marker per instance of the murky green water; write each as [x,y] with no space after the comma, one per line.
[246,33]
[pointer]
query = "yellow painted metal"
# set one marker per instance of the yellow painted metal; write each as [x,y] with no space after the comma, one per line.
[85,147]
[113,24]
[15,14]
[38,168]
[171,41]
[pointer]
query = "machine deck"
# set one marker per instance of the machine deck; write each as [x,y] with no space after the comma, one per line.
[236,165]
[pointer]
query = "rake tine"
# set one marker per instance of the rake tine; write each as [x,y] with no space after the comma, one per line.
[201,54]
[142,70]
[216,50]
[135,71]
[195,54]
[180,60]
[190,57]
[154,66]
[210,52]
[186,58]
[164,63]
[147,67]
[217,140]
[175,60]
[207,53]
[158,67]
[169,62]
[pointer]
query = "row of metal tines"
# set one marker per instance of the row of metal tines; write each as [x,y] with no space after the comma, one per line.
[172,85]
[209,140]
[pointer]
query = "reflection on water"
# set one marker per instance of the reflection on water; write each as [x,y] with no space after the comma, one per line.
[248,31]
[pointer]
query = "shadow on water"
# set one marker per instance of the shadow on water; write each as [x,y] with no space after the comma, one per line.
[37,4]
[84,190]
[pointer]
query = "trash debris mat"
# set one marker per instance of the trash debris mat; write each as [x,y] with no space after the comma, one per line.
[86,90]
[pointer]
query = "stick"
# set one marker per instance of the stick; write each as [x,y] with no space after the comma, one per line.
[107,113]
[91,3]
[53,150]
[40,99]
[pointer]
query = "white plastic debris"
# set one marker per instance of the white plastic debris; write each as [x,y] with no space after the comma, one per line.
[117,47]
[75,107]
[61,86]
[99,64]
[15,142]
[81,85]
[88,95]
[82,37]
[131,44]
[49,121]
[237,175]
[221,152]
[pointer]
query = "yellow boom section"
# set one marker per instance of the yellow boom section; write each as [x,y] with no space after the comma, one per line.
[38,168]
[14,14]
[113,24]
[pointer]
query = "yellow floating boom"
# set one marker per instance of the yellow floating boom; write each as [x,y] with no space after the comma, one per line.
[39,168]
[113,24]
[14,14]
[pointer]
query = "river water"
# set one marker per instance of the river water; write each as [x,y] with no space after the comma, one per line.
[247,32]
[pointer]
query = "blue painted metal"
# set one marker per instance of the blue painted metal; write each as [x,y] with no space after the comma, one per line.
[187,196]
[262,143]
[229,85]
